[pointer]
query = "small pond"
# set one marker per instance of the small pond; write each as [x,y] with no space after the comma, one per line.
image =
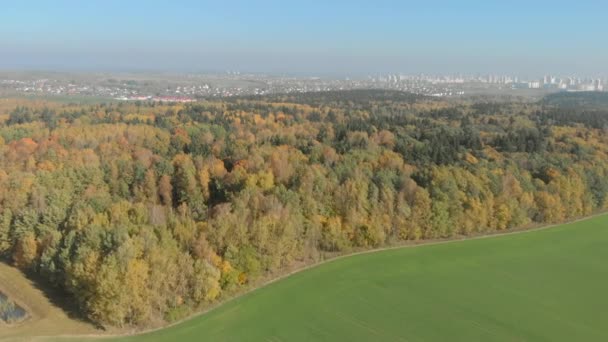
[9,311]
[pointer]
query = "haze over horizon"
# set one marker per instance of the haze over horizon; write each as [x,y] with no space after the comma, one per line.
[344,37]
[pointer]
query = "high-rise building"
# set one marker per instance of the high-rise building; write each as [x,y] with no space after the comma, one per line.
[598,85]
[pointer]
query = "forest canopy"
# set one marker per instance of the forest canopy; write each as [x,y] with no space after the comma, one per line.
[144,211]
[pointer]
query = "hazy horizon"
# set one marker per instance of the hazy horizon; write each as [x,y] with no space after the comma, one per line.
[342,38]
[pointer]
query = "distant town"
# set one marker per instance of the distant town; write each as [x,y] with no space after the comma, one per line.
[192,87]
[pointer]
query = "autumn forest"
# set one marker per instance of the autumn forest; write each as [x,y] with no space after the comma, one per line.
[143,212]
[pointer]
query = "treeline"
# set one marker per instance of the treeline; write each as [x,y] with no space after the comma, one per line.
[360,96]
[591,99]
[143,212]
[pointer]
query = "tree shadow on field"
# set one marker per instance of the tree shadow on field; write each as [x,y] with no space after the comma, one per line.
[57,297]
[61,299]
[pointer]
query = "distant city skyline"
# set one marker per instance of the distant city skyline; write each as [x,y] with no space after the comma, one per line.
[313,37]
[164,87]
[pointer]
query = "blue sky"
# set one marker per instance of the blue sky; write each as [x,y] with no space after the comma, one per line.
[306,36]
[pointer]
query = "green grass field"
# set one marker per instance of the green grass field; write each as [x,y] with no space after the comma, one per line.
[543,285]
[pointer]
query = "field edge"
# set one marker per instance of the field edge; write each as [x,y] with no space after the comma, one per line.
[267,282]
